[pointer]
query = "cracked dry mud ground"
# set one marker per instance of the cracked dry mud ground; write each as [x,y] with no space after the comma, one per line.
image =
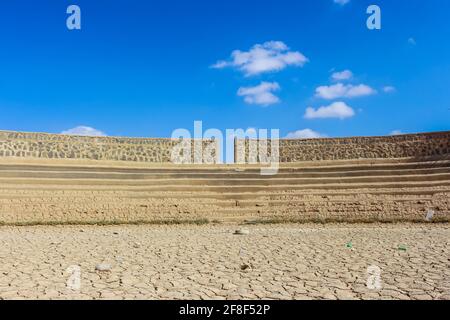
[209,262]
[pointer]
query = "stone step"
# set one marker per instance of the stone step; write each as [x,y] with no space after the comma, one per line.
[211,183]
[215,176]
[61,194]
[261,203]
[321,166]
[27,184]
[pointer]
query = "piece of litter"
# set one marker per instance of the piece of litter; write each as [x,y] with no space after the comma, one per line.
[103,267]
[430,215]
[402,247]
[242,232]
[349,245]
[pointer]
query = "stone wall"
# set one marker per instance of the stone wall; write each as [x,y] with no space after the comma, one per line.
[56,146]
[422,145]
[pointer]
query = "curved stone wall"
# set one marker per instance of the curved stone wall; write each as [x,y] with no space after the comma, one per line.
[422,145]
[54,146]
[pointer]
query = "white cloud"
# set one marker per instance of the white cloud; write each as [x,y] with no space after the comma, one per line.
[84,131]
[343,75]
[304,134]
[267,57]
[341,2]
[335,110]
[412,41]
[389,89]
[260,94]
[340,90]
[220,65]
[396,133]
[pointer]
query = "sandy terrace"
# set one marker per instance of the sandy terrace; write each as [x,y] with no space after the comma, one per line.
[204,262]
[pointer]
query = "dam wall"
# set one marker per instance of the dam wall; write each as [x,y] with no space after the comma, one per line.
[159,150]
[417,146]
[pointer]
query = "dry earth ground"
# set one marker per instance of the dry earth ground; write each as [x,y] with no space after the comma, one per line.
[290,261]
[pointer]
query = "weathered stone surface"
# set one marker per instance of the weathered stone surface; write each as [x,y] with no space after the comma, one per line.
[72,193]
[55,146]
[417,146]
[59,179]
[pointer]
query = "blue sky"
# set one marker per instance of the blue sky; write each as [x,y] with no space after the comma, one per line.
[146,68]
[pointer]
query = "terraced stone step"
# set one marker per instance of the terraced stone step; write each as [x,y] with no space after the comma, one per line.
[85,185]
[48,195]
[90,191]
[349,190]
[214,176]
[208,183]
[180,170]
[148,203]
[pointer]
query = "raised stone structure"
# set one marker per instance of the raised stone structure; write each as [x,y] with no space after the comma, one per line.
[58,146]
[53,146]
[48,179]
[418,146]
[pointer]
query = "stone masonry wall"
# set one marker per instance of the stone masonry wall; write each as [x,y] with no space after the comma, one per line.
[56,146]
[422,145]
